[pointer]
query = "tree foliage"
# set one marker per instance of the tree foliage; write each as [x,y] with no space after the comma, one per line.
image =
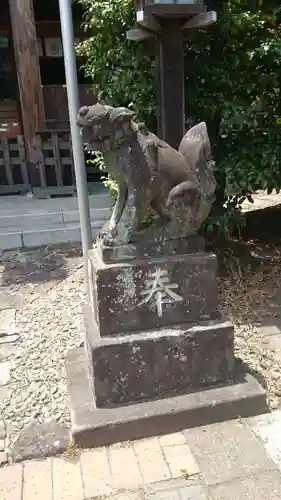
[233,82]
[233,74]
[123,72]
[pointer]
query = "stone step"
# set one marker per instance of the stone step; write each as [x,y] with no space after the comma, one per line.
[61,233]
[48,220]
[26,222]
[14,205]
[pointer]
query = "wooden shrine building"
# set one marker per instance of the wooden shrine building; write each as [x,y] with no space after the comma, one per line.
[35,146]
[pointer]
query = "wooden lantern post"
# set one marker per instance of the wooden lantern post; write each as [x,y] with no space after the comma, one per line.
[168,21]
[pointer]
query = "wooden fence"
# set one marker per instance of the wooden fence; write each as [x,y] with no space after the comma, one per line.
[13,166]
[54,164]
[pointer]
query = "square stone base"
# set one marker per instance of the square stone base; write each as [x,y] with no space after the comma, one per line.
[158,363]
[151,249]
[92,427]
[152,292]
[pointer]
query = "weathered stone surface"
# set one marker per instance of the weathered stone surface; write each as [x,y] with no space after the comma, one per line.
[183,489]
[178,185]
[93,427]
[151,293]
[41,440]
[146,249]
[267,428]
[227,451]
[159,362]
[263,486]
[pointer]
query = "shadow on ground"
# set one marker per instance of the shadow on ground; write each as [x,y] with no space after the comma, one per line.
[250,295]
[39,265]
[249,266]
[263,235]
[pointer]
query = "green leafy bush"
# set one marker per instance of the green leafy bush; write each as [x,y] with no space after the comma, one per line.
[233,82]
[123,72]
[233,74]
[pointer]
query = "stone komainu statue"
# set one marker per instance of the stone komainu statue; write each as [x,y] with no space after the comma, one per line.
[178,186]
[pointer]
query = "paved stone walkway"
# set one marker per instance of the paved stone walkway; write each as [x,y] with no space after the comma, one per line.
[235,460]
[262,200]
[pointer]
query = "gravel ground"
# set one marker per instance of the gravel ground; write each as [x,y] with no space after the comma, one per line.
[49,323]
[46,287]
[251,298]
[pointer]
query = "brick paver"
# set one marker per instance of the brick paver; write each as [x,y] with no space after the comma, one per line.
[67,479]
[180,460]
[216,462]
[37,480]
[96,474]
[172,439]
[152,463]
[11,482]
[125,469]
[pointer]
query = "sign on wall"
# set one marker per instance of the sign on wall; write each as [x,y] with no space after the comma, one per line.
[53,47]
[4,42]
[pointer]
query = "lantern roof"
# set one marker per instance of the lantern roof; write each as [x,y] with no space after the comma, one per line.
[171,8]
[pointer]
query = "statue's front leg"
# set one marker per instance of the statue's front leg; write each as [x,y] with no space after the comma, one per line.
[109,229]
[137,209]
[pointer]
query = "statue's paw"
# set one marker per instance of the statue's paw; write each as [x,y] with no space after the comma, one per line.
[108,240]
[107,236]
[107,230]
[101,234]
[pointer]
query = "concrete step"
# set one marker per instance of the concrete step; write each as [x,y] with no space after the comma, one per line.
[50,219]
[15,205]
[21,204]
[26,222]
[62,233]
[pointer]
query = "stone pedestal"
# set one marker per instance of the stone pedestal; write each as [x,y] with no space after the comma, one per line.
[158,363]
[152,293]
[154,341]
